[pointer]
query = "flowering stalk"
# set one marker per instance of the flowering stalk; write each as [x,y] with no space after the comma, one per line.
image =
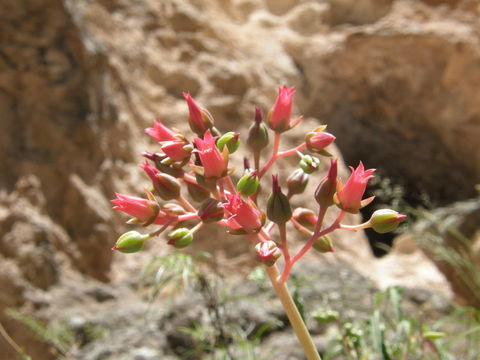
[201,165]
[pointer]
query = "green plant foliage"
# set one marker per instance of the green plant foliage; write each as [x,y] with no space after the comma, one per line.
[174,272]
[58,334]
[389,334]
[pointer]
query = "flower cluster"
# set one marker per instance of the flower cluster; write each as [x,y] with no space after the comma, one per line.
[199,167]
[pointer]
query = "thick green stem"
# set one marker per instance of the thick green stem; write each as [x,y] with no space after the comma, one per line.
[293,315]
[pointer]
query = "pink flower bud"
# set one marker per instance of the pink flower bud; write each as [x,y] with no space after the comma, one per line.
[142,209]
[318,140]
[278,118]
[215,164]
[242,214]
[160,132]
[177,150]
[199,119]
[349,197]
[268,252]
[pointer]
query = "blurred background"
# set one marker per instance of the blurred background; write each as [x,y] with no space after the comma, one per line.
[397,82]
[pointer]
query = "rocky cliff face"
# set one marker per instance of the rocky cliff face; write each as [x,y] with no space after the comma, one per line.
[79,80]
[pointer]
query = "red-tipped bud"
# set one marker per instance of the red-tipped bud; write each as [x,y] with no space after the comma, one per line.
[268,252]
[278,207]
[199,119]
[323,244]
[130,242]
[258,115]
[318,140]
[165,186]
[309,164]
[231,140]
[325,191]
[211,211]
[349,197]
[163,163]
[278,118]
[297,182]
[180,238]
[305,217]
[258,133]
[248,183]
[385,220]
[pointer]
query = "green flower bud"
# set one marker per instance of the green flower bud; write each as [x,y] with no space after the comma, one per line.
[166,186]
[231,140]
[130,242]
[258,133]
[278,207]
[385,220]
[211,211]
[297,182]
[197,192]
[180,238]
[305,217]
[323,244]
[309,164]
[248,183]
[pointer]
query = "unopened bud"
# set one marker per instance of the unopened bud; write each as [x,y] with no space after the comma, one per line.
[130,242]
[309,164]
[323,244]
[211,211]
[297,182]
[163,163]
[278,206]
[318,140]
[258,133]
[385,220]
[166,186]
[305,217]
[231,140]
[248,183]
[327,188]
[199,119]
[180,238]
[268,252]
[197,192]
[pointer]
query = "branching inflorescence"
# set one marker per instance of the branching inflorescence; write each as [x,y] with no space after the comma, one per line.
[201,167]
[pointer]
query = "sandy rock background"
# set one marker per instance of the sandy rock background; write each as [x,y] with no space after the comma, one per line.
[396,81]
